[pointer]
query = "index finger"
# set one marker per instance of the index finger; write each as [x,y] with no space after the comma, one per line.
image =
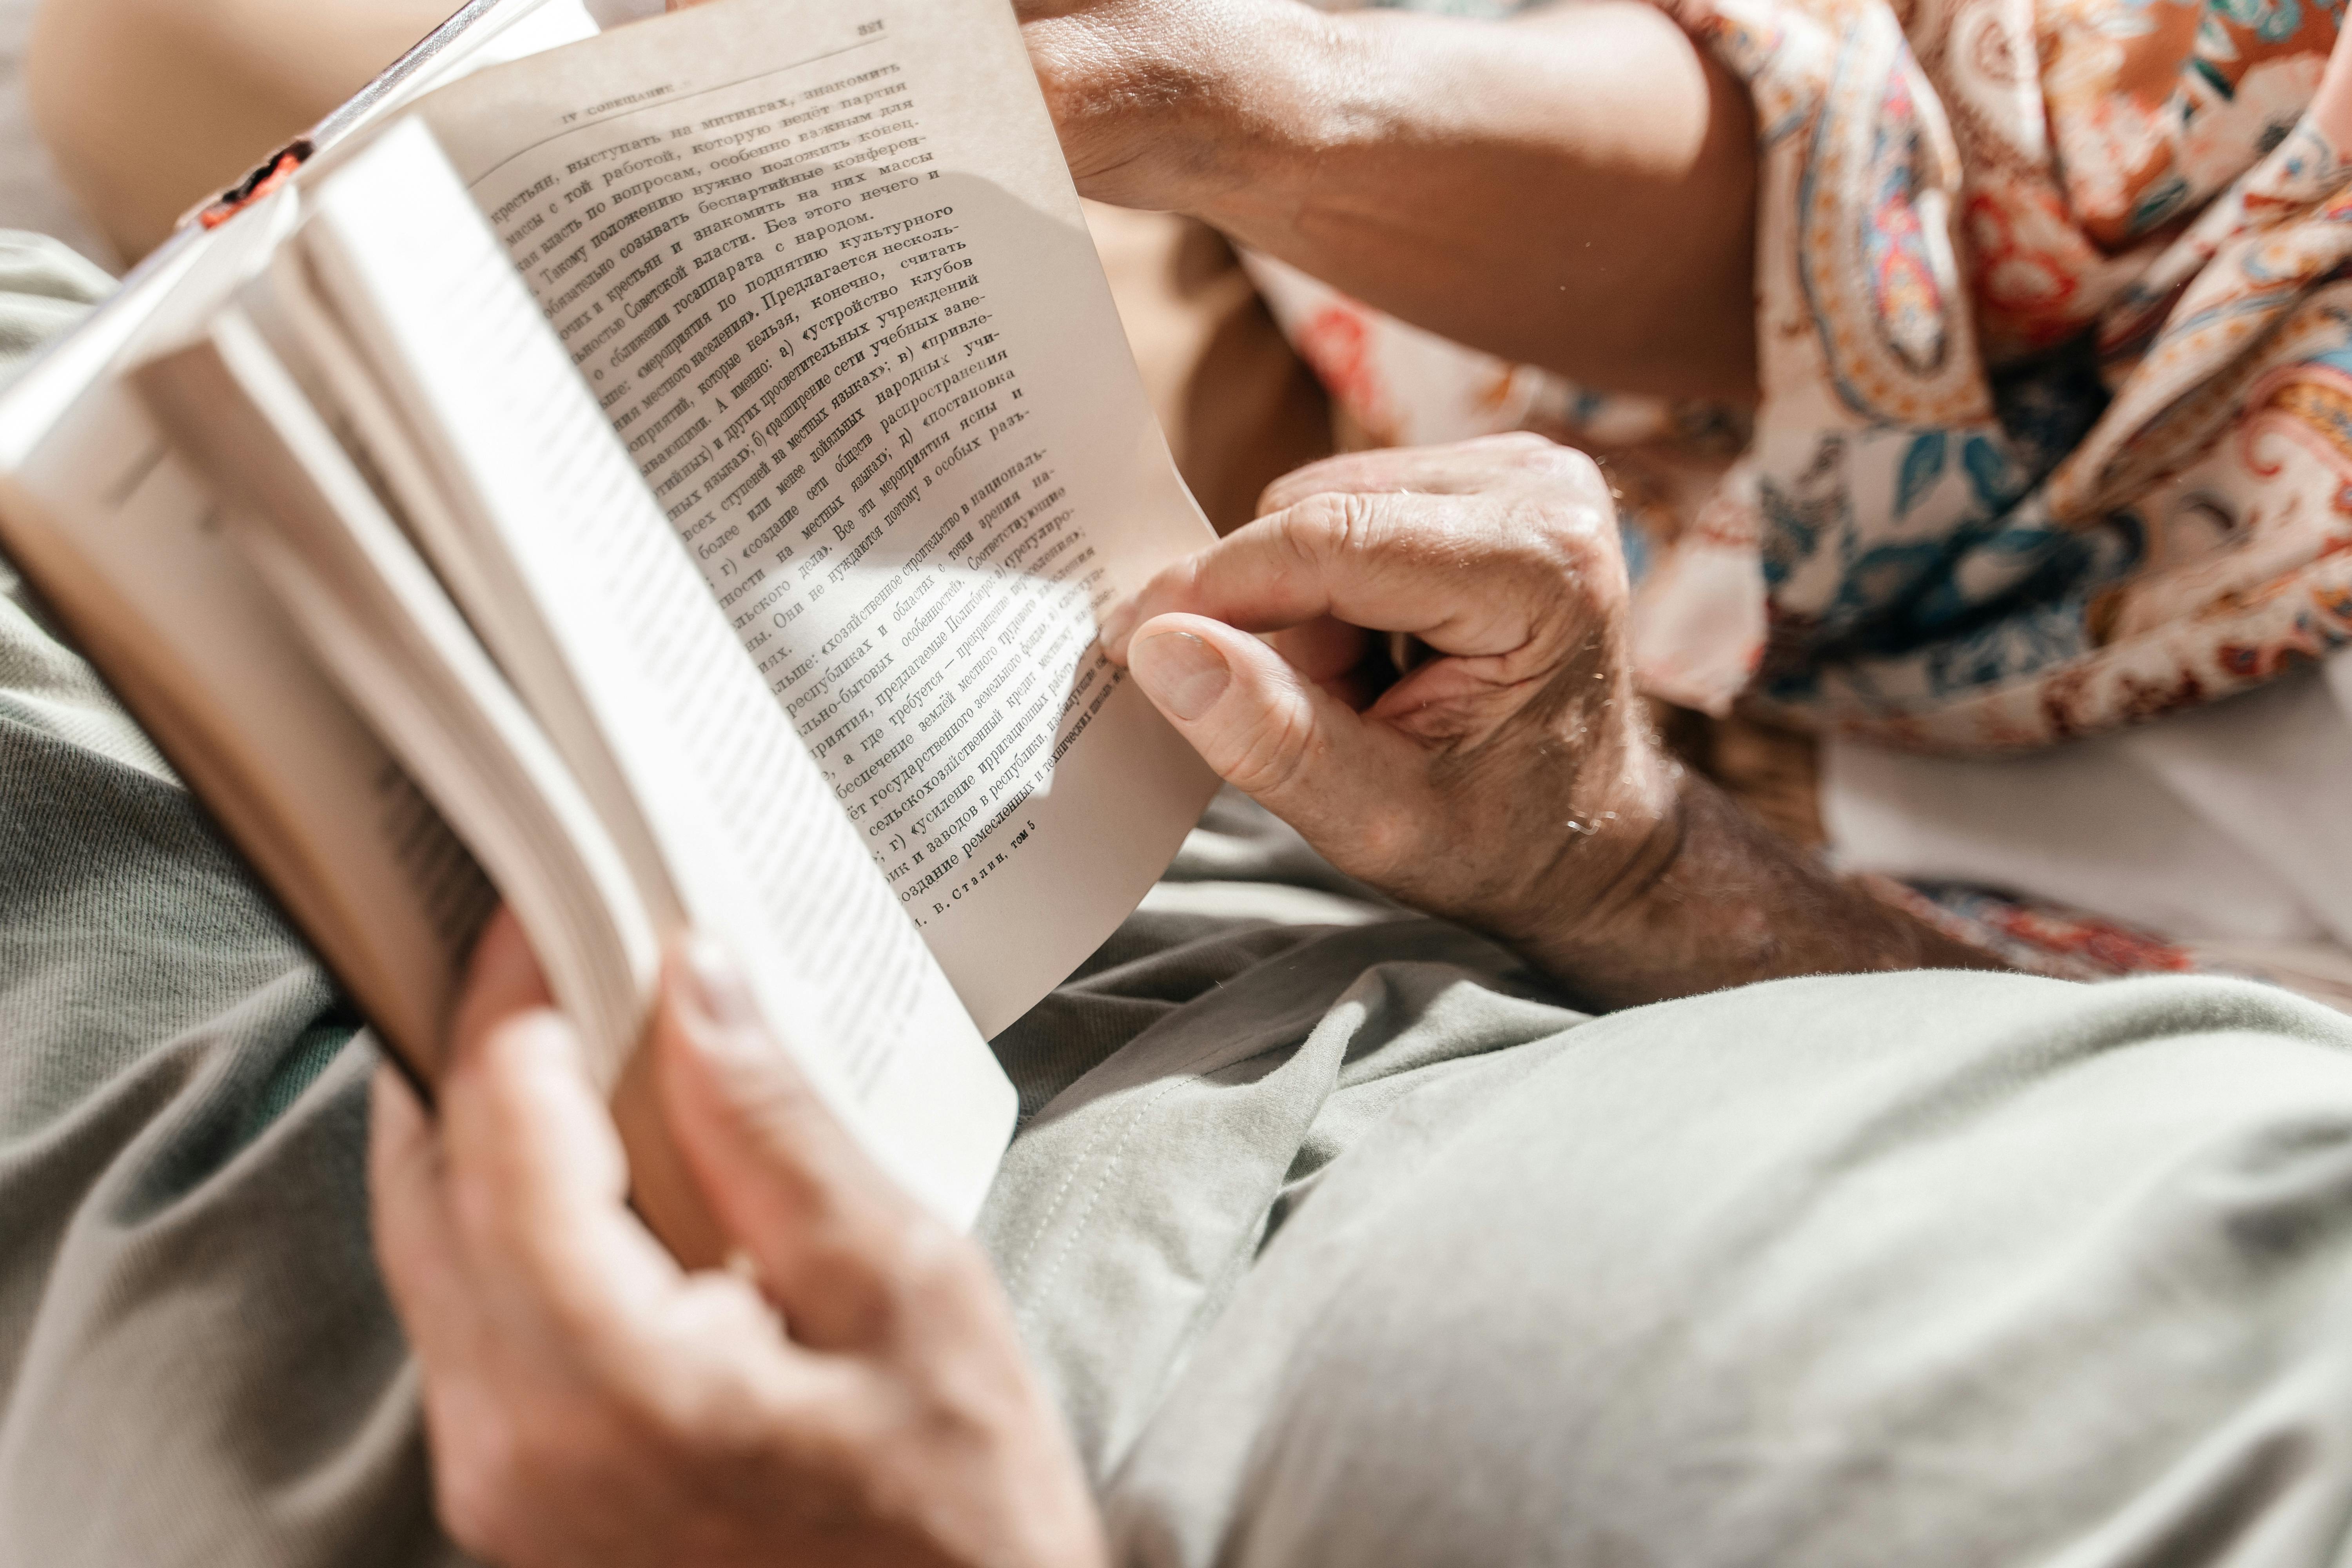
[534,1181]
[1462,468]
[1465,578]
[409,1218]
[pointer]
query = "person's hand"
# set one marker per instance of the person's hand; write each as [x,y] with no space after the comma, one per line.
[1507,777]
[852,1394]
[1510,780]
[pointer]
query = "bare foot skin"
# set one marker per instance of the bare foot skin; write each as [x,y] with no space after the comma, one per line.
[150,106]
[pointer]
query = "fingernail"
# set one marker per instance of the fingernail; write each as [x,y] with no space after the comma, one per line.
[714,986]
[1117,624]
[1182,673]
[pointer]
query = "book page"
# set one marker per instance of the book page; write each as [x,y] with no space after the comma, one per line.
[823,269]
[123,541]
[378,624]
[758,853]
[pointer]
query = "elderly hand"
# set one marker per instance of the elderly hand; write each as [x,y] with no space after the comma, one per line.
[855,1395]
[1510,781]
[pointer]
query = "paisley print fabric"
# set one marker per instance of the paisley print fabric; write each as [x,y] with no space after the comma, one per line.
[2056,339]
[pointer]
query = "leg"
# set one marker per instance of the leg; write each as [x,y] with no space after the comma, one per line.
[151,105]
[1935,1267]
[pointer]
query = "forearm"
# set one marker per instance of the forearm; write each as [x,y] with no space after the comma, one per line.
[1712,898]
[1575,189]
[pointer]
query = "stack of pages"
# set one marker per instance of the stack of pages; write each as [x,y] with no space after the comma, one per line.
[665,479]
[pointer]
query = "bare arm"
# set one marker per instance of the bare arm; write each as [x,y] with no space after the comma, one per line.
[1575,189]
[1511,781]
[1715,899]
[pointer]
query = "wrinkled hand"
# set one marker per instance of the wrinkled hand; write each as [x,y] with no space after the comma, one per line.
[1511,780]
[588,1403]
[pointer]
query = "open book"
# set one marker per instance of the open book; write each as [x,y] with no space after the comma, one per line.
[669,479]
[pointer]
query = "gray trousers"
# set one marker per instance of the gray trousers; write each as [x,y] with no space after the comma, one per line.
[1337,1240]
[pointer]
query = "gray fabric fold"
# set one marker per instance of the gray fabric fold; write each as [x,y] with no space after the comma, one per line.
[1130,1209]
[1338,1242]
[1951,1269]
[45,288]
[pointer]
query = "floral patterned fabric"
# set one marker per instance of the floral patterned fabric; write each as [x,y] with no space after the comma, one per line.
[2067,944]
[2055,334]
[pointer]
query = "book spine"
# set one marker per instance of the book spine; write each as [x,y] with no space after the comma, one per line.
[265,178]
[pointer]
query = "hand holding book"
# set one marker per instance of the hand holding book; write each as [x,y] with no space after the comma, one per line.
[850,1389]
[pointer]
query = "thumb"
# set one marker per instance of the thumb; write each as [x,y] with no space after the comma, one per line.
[1351,786]
[818,1219]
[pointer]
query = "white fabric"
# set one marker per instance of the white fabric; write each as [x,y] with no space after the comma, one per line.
[2226,825]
